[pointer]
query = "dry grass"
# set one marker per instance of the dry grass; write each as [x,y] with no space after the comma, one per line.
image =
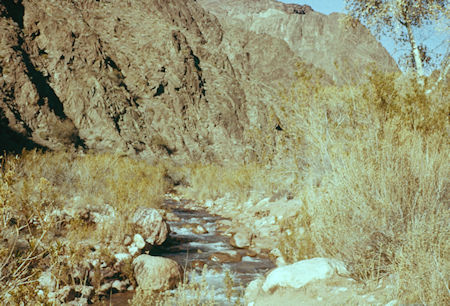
[371,166]
[370,163]
[99,178]
[215,181]
[238,183]
[34,185]
[372,170]
[376,156]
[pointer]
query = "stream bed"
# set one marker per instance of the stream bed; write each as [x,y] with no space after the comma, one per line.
[193,250]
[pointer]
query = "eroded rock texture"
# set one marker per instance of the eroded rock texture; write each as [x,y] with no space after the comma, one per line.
[182,79]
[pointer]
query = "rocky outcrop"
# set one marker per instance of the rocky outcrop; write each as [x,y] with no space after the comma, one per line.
[106,267]
[173,78]
[141,79]
[343,52]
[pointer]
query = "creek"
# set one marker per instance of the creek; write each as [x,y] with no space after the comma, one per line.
[192,250]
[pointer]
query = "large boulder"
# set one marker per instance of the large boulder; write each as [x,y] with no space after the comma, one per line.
[151,225]
[303,272]
[317,281]
[156,273]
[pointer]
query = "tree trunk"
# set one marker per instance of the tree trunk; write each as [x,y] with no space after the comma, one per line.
[416,53]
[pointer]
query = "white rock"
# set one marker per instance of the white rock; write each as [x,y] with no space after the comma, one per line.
[156,273]
[270,220]
[127,241]
[151,225]
[120,285]
[132,249]
[105,288]
[252,290]
[103,214]
[139,242]
[280,262]
[85,291]
[301,273]
[47,281]
[241,239]
[122,256]
[263,201]
[277,256]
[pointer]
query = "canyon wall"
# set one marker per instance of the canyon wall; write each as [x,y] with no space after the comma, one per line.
[178,79]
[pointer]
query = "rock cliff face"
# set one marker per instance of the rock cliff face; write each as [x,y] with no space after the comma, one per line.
[323,41]
[178,78]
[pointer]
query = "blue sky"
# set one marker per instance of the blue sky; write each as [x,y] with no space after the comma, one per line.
[435,40]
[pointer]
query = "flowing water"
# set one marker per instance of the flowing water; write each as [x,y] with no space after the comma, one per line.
[192,250]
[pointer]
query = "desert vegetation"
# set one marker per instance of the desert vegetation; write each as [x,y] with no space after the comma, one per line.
[131,108]
[51,204]
[376,156]
[368,162]
[370,165]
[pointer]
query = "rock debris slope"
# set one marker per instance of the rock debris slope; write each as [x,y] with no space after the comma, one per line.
[182,79]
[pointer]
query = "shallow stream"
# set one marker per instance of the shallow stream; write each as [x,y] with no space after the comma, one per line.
[192,250]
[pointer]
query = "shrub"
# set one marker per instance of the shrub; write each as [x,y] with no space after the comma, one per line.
[375,157]
[238,183]
[34,238]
